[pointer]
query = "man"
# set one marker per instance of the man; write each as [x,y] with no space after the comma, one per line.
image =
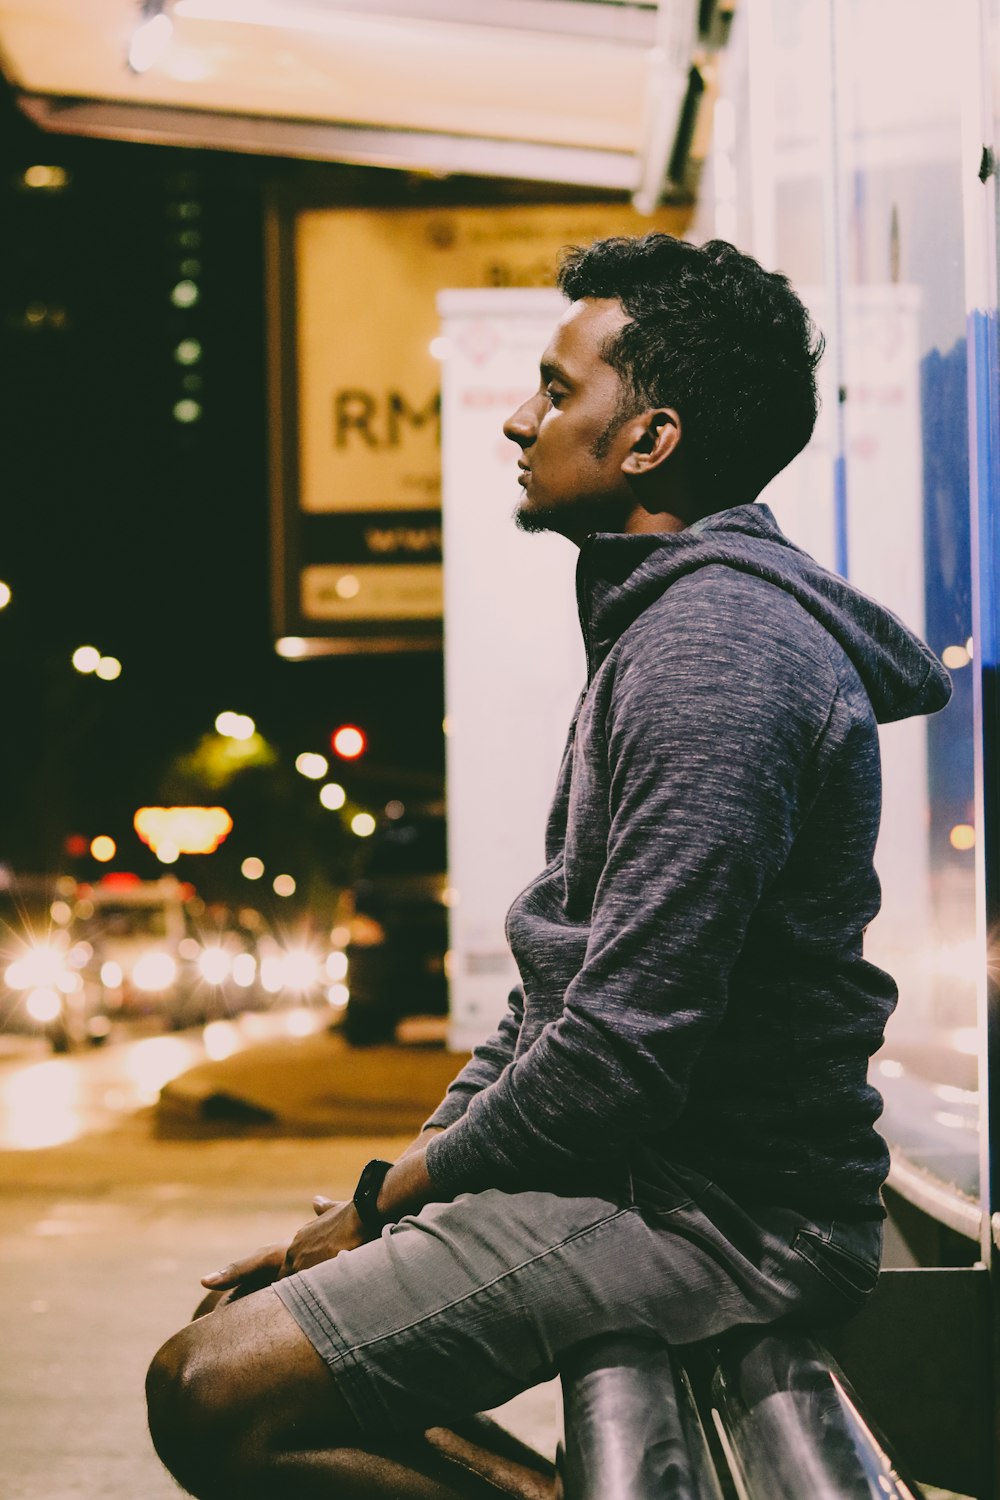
[671,1130]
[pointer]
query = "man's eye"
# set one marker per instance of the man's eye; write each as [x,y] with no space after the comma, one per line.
[554,395]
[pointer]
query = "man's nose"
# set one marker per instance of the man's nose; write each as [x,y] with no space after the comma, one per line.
[521,426]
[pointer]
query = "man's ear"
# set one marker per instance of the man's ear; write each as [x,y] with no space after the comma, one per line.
[657,436]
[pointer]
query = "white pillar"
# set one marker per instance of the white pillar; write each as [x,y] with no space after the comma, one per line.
[514,662]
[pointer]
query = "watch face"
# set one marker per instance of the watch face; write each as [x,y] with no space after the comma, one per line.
[367,1191]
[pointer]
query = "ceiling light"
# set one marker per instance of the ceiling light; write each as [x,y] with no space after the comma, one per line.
[150,39]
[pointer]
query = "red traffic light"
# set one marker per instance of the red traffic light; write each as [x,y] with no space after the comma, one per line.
[348,742]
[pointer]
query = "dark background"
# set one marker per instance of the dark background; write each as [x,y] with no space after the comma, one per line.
[147,537]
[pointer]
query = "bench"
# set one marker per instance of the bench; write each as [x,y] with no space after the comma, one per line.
[755,1415]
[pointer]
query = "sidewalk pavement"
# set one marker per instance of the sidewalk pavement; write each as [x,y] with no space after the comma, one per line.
[103,1241]
[312,1085]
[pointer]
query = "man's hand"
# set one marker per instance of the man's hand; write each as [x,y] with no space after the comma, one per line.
[335,1229]
[250,1273]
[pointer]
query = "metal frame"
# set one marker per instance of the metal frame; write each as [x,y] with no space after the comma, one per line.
[982,205]
[321,140]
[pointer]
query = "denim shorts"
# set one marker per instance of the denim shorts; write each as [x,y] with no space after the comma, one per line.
[461,1306]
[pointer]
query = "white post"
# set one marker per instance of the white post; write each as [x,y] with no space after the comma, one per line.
[514,662]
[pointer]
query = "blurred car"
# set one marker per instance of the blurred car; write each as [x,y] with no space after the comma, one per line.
[396,951]
[135,930]
[44,985]
[222,964]
[234,961]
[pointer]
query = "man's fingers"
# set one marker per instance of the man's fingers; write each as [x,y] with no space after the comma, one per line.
[264,1263]
[322,1204]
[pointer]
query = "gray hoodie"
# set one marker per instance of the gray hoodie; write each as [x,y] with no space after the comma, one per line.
[692,982]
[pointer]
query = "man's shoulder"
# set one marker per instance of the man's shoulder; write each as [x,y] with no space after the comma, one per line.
[721,597]
[725,627]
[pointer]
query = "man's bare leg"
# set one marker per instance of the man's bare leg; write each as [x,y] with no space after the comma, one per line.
[241,1403]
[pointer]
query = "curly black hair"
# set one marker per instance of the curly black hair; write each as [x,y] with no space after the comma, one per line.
[725,343]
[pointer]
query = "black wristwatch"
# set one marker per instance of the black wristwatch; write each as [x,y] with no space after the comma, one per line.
[366,1195]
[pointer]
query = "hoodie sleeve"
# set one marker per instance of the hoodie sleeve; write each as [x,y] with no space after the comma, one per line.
[715,715]
[487,1062]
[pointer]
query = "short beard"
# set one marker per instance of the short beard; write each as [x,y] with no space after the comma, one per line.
[574,519]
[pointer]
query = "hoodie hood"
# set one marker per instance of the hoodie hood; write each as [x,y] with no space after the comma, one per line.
[619,576]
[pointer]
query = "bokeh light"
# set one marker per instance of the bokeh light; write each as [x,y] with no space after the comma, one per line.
[185,294]
[49,179]
[244,970]
[291,646]
[252,868]
[311,765]
[332,795]
[5,595]
[336,966]
[108,668]
[363,824]
[86,658]
[235,726]
[348,741]
[284,885]
[103,848]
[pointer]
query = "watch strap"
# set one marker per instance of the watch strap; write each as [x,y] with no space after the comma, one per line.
[366,1195]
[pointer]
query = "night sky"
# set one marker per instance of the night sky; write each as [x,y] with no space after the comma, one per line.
[147,537]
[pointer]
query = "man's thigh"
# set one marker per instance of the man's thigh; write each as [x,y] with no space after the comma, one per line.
[462,1306]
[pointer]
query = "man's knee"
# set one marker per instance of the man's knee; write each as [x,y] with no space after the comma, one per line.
[229,1392]
[188,1398]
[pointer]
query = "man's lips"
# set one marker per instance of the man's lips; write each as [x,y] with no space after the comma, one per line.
[522,477]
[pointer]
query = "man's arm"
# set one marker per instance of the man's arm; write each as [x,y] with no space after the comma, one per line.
[487,1062]
[712,735]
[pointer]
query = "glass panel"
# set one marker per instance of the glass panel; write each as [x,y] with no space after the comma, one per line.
[907,472]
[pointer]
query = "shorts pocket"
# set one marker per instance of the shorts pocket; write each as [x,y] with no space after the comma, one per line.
[659,1193]
[851,1274]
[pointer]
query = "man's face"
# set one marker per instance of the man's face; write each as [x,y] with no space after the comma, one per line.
[570,464]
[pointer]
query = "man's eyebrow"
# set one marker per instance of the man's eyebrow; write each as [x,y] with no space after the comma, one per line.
[549,370]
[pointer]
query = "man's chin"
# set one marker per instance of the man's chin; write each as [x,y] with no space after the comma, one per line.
[535,518]
[526,519]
